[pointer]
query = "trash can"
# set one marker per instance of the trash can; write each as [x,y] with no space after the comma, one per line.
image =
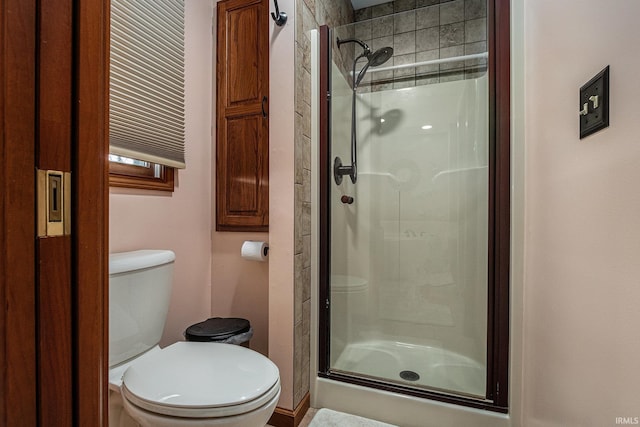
[229,330]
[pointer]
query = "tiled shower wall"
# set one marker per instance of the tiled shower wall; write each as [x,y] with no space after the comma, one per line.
[310,14]
[423,30]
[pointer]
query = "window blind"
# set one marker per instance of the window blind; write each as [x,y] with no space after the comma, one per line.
[146,89]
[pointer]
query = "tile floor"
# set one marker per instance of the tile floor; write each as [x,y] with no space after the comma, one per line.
[307,418]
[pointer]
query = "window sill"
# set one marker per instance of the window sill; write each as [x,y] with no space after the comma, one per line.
[125,176]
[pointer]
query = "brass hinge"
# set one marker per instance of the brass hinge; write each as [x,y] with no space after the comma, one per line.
[54,203]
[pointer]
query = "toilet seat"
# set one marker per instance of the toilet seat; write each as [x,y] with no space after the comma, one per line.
[201,380]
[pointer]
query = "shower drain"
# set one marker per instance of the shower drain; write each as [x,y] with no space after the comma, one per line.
[409,376]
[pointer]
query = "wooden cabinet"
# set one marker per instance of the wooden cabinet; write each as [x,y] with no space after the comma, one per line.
[242,136]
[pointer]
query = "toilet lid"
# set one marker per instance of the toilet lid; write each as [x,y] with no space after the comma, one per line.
[217,329]
[196,376]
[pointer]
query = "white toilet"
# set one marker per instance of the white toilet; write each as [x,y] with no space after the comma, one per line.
[186,383]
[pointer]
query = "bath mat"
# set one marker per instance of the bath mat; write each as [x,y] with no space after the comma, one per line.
[328,418]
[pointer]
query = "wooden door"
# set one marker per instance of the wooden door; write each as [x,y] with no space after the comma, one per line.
[242,144]
[90,216]
[53,290]
[53,266]
[18,396]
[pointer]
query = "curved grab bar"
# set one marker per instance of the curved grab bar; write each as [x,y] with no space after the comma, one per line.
[452,171]
[384,175]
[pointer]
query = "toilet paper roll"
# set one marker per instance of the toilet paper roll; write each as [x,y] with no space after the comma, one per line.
[254,250]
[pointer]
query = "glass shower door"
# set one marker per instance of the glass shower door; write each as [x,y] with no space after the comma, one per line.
[409,239]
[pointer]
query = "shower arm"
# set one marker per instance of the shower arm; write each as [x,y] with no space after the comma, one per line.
[364,46]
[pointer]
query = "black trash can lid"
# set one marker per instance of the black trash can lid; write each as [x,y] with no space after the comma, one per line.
[217,329]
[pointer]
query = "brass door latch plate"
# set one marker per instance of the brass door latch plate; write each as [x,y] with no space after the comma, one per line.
[54,203]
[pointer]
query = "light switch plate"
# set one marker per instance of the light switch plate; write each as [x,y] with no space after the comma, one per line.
[594,104]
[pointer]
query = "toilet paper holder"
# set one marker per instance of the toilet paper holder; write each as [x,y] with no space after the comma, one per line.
[254,250]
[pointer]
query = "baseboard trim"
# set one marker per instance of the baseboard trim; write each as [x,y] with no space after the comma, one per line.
[288,418]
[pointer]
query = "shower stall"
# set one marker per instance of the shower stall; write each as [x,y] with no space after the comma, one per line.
[410,297]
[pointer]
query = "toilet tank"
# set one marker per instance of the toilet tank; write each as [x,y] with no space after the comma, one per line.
[139,293]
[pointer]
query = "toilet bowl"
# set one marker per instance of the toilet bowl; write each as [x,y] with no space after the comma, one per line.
[186,383]
[201,384]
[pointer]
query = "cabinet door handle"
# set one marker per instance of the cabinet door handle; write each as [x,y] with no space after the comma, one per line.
[264,112]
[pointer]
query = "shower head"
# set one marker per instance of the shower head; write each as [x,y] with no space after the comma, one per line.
[374,59]
[380,56]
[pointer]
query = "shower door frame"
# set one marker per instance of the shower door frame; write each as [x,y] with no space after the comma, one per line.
[498,64]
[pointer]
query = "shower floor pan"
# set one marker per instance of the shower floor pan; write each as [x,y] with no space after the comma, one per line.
[413,365]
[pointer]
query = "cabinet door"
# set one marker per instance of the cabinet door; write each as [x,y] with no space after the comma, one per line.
[242,144]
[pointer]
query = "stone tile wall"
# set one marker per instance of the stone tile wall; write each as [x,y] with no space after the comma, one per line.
[422,30]
[310,14]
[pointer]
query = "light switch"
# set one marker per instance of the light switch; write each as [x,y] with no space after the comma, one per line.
[594,104]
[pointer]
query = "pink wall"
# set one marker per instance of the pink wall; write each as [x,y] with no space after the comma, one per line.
[582,217]
[263,292]
[180,221]
[240,288]
[281,200]
[210,277]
